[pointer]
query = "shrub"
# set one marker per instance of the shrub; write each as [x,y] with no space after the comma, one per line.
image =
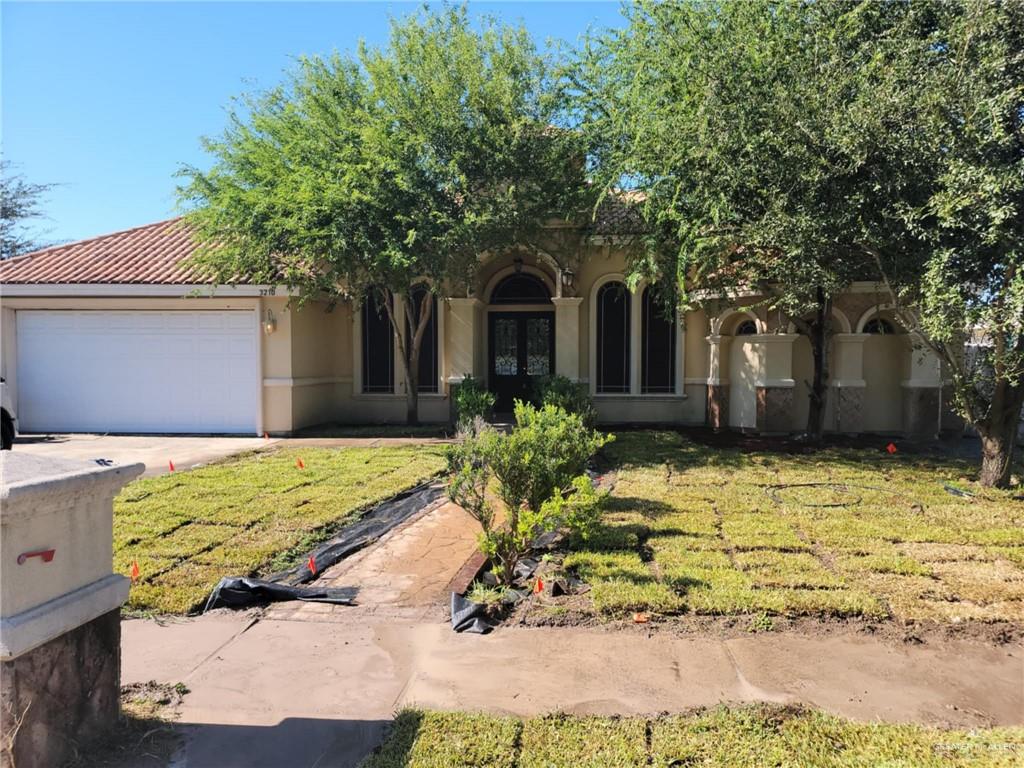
[568,395]
[579,511]
[543,457]
[472,402]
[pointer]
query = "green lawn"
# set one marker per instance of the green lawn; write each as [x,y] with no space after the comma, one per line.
[756,736]
[702,530]
[251,514]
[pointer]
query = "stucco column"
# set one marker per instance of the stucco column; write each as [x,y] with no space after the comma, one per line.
[464,337]
[718,380]
[775,384]
[922,392]
[848,383]
[567,336]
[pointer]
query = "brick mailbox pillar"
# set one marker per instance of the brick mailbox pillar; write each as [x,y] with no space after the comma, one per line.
[60,630]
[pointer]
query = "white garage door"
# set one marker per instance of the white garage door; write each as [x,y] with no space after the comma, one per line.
[137,371]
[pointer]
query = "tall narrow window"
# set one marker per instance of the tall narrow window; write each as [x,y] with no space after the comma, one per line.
[378,346]
[658,344]
[427,379]
[613,338]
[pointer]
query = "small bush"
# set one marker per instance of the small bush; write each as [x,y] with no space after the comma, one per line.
[579,511]
[568,395]
[472,402]
[535,466]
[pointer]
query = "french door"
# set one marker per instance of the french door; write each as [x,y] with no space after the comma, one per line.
[521,349]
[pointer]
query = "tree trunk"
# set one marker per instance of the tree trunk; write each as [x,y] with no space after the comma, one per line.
[412,401]
[409,348]
[819,338]
[998,435]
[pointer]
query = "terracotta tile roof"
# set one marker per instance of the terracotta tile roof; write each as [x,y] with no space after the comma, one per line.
[151,254]
[618,214]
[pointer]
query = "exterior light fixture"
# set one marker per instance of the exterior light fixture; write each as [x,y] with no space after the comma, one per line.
[269,323]
[568,277]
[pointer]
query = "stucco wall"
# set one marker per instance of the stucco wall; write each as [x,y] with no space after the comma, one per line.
[310,366]
[883,374]
[321,362]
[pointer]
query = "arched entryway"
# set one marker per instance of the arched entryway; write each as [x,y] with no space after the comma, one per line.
[743,369]
[520,337]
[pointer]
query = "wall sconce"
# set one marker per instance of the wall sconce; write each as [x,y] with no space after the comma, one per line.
[269,323]
[517,264]
[568,277]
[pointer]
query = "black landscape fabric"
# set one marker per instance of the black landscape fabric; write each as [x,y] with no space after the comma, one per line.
[235,592]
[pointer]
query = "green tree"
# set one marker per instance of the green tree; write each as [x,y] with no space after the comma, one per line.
[20,201]
[935,127]
[793,147]
[714,111]
[395,167]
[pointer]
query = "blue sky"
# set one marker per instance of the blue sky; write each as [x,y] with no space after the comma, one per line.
[108,99]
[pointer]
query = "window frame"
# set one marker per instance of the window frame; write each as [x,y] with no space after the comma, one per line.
[625,387]
[647,306]
[366,328]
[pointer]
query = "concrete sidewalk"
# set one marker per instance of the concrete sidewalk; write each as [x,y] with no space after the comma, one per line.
[318,693]
[155,451]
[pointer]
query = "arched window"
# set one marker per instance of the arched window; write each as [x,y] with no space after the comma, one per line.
[613,338]
[427,379]
[746,328]
[658,344]
[521,288]
[879,326]
[378,346]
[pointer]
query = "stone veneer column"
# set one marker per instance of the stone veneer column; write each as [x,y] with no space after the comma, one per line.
[848,386]
[567,336]
[718,385]
[922,392]
[775,385]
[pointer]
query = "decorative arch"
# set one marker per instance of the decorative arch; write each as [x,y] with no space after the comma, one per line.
[543,258]
[725,319]
[876,311]
[837,314]
[529,269]
[520,288]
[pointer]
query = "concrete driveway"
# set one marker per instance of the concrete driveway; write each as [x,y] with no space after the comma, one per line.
[155,451]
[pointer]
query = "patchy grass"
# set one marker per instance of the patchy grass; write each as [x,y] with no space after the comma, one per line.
[754,736]
[144,735]
[448,740]
[840,532]
[248,515]
[600,742]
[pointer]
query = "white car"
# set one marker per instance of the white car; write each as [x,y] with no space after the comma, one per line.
[8,421]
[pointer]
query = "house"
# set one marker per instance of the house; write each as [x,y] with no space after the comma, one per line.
[118,334]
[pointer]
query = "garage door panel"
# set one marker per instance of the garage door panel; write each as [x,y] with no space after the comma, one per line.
[137,371]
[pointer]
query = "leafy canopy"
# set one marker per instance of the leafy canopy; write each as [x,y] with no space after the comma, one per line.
[398,163]
[717,112]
